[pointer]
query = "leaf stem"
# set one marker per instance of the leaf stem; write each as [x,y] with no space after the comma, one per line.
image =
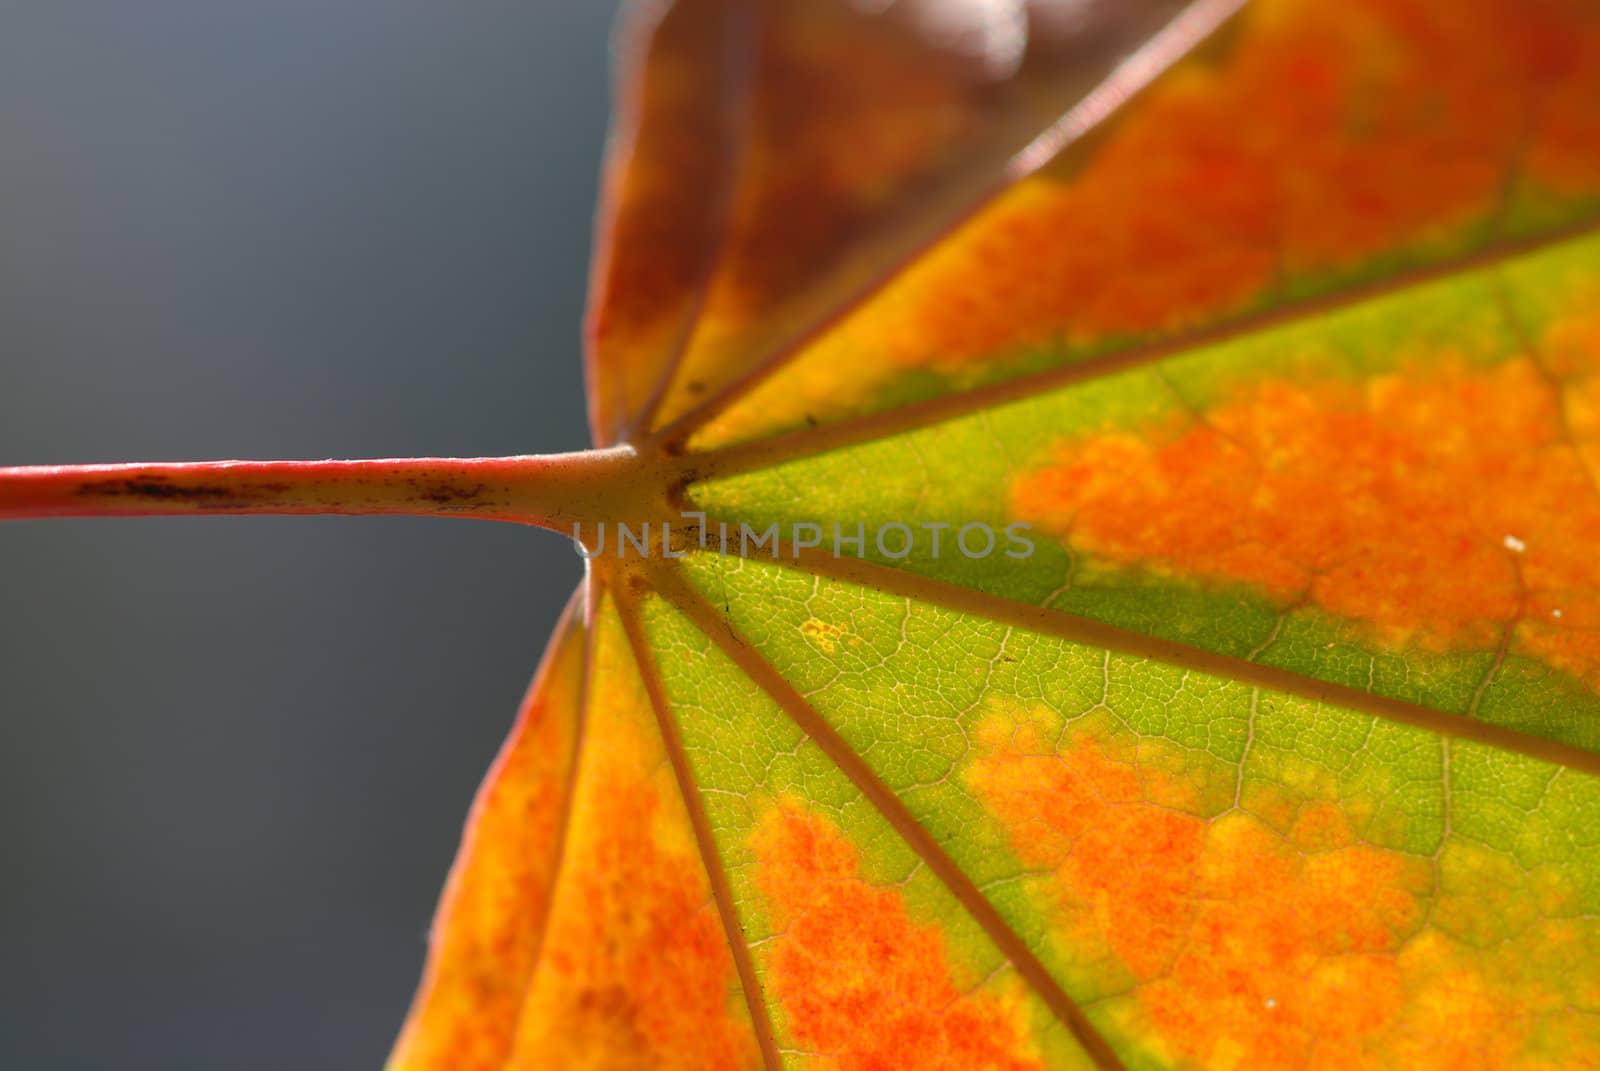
[552,491]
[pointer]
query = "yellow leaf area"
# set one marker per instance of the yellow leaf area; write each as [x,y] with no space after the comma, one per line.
[1271,935]
[634,969]
[636,960]
[1325,144]
[1445,508]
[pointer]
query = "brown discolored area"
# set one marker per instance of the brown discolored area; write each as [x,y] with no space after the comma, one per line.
[860,983]
[762,135]
[1246,946]
[663,199]
[847,111]
[1436,507]
[849,115]
[1328,145]
[1562,152]
[777,158]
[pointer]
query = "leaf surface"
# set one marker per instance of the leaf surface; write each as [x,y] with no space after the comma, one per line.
[1280,751]
[1281,747]
[1226,693]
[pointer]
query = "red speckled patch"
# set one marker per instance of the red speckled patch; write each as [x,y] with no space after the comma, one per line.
[858,980]
[1437,508]
[1253,948]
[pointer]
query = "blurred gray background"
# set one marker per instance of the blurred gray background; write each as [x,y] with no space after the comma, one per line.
[235,753]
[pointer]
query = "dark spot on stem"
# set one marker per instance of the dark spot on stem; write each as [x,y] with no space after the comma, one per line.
[150,487]
[444,493]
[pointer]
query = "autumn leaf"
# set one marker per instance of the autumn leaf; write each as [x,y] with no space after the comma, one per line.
[1123,585]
